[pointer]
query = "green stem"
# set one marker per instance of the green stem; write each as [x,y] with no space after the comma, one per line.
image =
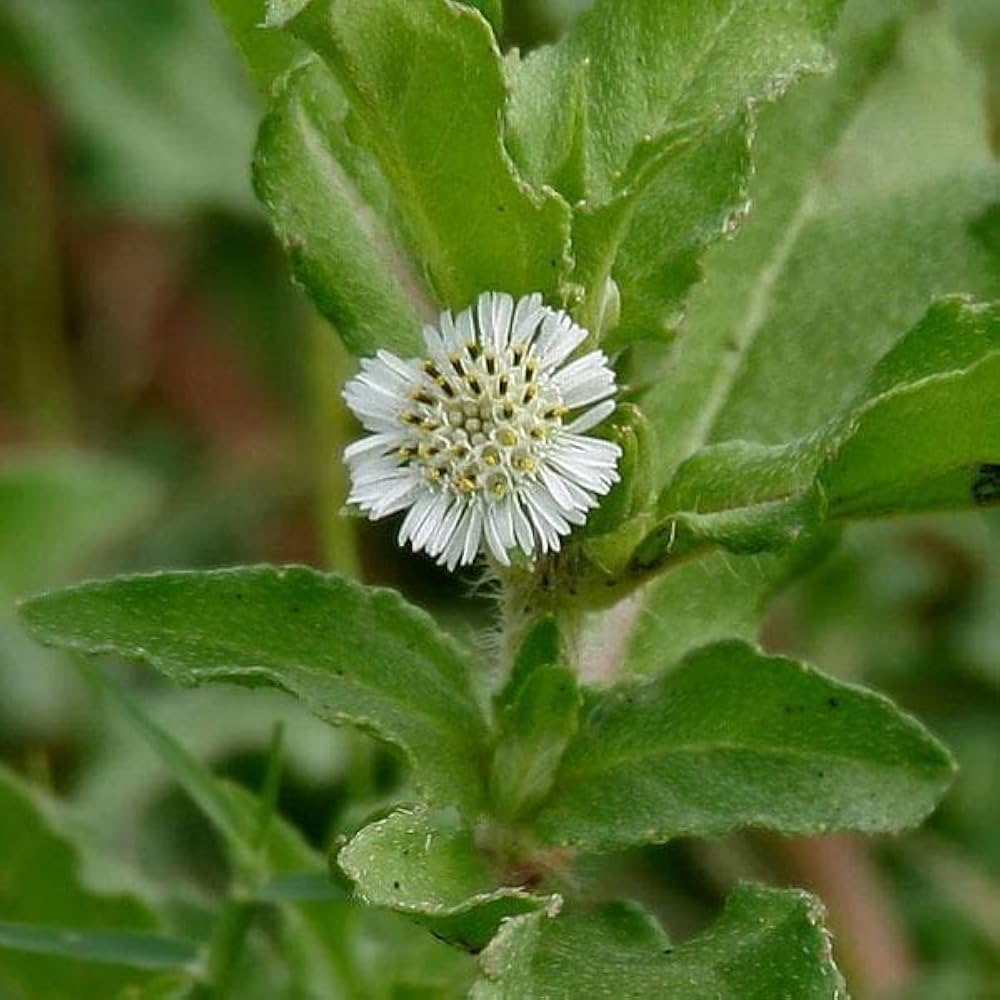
[226,947]
[236,918]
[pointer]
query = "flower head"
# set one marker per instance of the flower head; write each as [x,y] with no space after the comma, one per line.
[485,440]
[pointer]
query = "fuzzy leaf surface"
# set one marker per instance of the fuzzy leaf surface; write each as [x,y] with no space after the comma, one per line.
[587,109]
[352,654]
[330,210]
[871,198]
[922,436]
[534,733]
[428,866]
[733,738]
[768,943]
[426,87]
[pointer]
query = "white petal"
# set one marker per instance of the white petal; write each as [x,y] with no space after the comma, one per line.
[558,339]
[474,533]
[493,536]
[415,516]
[522,528]
[592,417]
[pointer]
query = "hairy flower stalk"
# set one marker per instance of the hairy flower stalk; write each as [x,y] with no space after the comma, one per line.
[484,443]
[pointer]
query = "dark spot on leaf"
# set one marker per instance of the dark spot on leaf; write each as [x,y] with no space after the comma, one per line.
[395,885]
[554,262]
[833,702]
[295,609]
[501,208]
[238,596]
[986,484]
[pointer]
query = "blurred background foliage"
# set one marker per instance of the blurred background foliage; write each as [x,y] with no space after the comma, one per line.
[168,399]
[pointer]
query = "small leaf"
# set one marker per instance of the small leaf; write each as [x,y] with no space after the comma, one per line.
[733,738]
[352,654]
[138,951]
[425,84]
[533,734]
[768,943]
[428,866]
[327,204]
[541,645]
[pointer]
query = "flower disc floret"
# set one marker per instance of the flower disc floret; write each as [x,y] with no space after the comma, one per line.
[484,442]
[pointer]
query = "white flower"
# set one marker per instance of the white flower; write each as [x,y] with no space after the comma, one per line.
[473,441]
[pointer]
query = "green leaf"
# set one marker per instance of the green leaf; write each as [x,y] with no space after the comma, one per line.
[638,117]
[541,645]
[429,867]
[352,654]
[492,10]
[630,69]
[533,734]
[768,943]
[919,438]
[865,188]
[929,437]
[328,206]
[426,87]
[41,889]
[138,951]
[733,738]
[718,596]
[693,200]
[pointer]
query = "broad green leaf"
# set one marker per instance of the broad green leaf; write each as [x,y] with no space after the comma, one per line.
[585,110]
[768,943]
[352,654]
[639,117]
[327,205]
[426,87]
[930,434]
[865,189]
[719,596]
[533,733]
[922,436]
[156,101]
[733,738]
[137,951]
[41,889]
[429,867]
